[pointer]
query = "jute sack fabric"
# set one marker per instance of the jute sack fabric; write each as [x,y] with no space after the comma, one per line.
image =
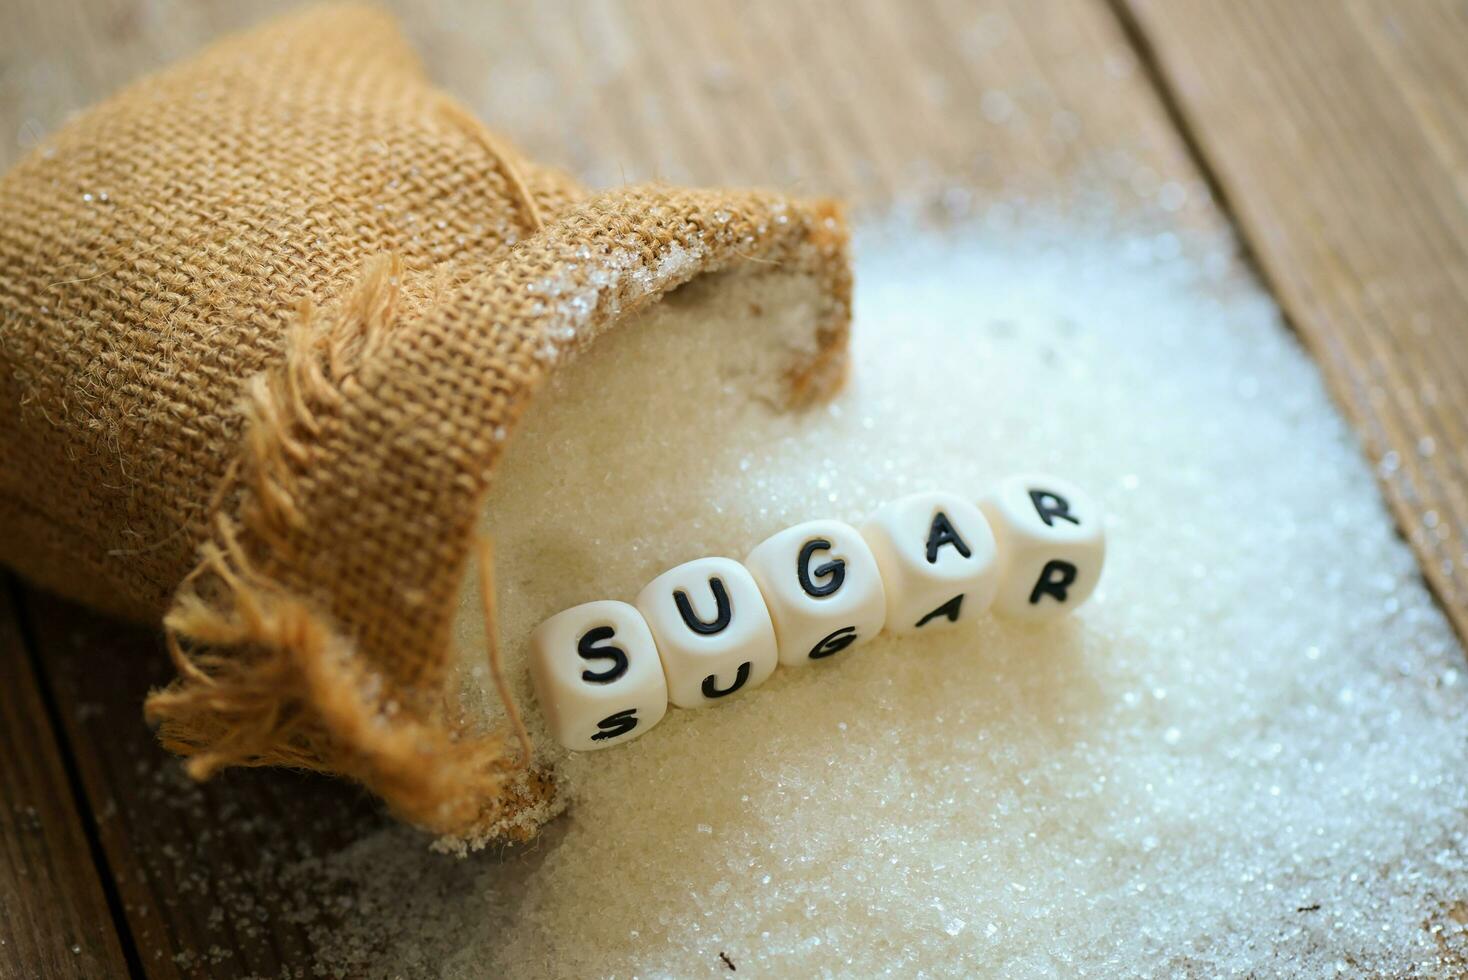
[266,322]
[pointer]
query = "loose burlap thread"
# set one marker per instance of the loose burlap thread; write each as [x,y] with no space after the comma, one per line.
[267,320]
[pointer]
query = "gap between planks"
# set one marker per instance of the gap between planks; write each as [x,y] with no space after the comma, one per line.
[63,915]
[763,117]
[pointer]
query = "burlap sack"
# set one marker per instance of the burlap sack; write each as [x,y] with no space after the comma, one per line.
[264,320]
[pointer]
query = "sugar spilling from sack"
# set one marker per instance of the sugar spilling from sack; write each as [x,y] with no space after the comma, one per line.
[1247,753]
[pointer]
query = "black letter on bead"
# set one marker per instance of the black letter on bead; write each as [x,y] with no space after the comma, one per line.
[723,609]
[1050,506]
[836,569]
[940,533]
[711,683]
[834,643]
[1055,578]
[949,610]
[588,650]
[618,724]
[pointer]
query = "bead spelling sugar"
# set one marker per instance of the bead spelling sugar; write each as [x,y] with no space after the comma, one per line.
[927,561]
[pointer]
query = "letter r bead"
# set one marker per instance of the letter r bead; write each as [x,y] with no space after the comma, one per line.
[1052,544]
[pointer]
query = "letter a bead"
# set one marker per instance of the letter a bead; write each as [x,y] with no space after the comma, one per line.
[823,589]
[1051,545]
[712,629]
[597,675]
[938,561]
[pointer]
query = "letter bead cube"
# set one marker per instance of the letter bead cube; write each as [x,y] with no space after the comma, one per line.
[822,587]
[597,675]
[1051,546]
[938,561]
[712,629]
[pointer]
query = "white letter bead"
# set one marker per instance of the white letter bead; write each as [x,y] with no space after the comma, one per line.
[822,587]
[937,558]
[597,675]
[1051,546]
[712,629]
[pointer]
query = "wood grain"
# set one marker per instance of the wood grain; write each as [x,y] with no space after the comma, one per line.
[209,875]
[942,106]
[1341,145]
[938,107]
[54,919]
[933,101]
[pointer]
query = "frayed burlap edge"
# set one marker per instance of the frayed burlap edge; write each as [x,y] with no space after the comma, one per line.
[267,678]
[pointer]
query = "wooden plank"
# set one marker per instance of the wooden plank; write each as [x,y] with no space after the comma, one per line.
[871,102]
[983,102]
[54,916]
[1338,133]
[938,105]
[205,872]
[993,100]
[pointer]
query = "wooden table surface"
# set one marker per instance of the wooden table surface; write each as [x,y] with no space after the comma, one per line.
[1326,139]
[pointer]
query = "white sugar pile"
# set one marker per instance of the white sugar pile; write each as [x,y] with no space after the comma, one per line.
[1247,754]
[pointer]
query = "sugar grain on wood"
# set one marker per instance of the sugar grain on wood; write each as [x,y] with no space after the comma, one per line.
[1246,754]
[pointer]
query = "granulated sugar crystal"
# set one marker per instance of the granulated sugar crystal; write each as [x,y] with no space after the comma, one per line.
[1248,754]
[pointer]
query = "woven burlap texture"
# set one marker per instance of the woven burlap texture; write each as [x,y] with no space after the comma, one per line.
[266,322]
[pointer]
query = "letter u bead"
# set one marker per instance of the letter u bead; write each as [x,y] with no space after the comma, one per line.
[712,629]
